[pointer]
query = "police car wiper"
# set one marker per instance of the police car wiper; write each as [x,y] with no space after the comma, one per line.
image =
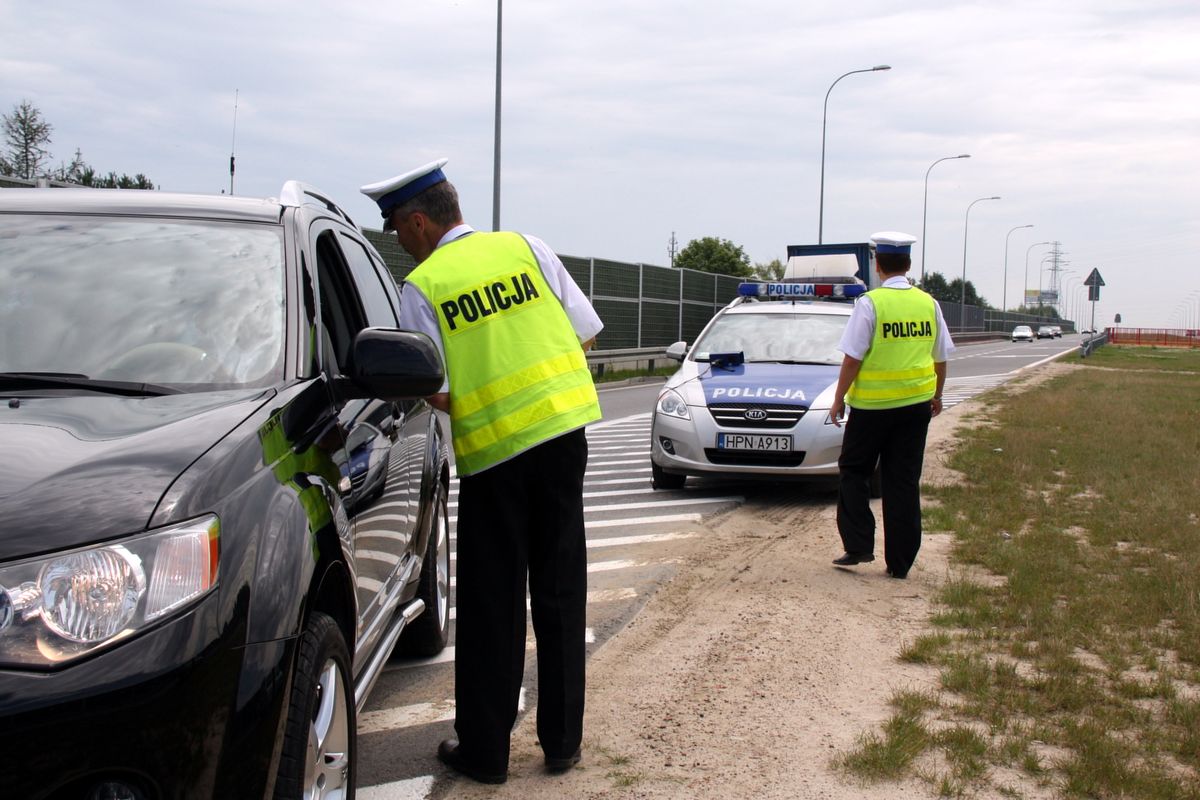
[785,361]
[13,381]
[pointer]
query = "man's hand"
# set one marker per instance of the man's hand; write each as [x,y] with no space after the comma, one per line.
[837,410]
[935,406]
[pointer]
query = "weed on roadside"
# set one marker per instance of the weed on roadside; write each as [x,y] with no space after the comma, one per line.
[1078,667]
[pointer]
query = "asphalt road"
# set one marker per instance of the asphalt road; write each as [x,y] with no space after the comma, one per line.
[629,531]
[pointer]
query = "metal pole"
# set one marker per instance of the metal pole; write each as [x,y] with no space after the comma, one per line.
[1004,291]
[496,138]
[1025,282]
[963,300]
[925,206]
[824,114]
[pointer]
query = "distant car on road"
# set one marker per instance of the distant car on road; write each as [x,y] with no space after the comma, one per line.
[1045,332]
[1022,333]
[1057,331]
[223,498]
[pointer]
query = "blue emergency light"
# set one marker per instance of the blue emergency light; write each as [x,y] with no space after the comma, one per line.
[801,291]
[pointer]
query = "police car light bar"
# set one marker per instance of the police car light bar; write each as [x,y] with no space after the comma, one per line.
[801,290]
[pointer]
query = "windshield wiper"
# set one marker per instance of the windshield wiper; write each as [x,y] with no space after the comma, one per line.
[70,380]
[788,361]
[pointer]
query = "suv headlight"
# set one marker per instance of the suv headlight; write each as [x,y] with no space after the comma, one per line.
[61,607]
[671,404]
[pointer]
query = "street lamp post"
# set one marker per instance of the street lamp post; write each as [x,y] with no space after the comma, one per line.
[925,206]
[824,113]
[496,136]
[1004,291]
[1041,270]
[962,305]
[1025,281]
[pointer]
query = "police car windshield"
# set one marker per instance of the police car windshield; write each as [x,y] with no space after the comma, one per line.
[179,303]
[774,337]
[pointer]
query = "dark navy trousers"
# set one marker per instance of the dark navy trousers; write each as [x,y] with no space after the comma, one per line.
[895,439]
[521,519]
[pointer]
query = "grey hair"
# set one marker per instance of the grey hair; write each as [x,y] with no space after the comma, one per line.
[439,202]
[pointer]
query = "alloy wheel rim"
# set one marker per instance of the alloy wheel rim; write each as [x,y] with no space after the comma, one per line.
[327,772]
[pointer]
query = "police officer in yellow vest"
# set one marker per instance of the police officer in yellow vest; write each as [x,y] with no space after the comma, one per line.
[894,367]
[513,327]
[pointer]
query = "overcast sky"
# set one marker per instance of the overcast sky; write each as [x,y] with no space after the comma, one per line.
[626,122]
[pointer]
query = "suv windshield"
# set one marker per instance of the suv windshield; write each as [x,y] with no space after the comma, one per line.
[811,338]
[185,303]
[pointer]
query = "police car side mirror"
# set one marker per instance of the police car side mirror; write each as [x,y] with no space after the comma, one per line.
[392,364]
[677,351]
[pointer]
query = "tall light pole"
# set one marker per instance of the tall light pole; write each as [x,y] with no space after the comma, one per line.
[824,113]
[1004,291]
[962,304]
[496,138]
[1025,281]
[925,206]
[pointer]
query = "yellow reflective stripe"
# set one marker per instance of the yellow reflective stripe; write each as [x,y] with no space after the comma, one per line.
[484,396]
[871,375]
[895,392]
[512,424]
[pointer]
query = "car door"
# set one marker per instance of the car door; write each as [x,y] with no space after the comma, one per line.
[380,498]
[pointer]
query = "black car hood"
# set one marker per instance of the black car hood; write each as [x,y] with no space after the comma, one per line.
[81,469]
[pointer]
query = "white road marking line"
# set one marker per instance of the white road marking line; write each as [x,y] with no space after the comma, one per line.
[389,719]
[649,538]
[617,523]
[408,789]
[596,596]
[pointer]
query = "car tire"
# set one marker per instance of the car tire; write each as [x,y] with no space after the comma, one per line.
[661,479]
[318,755]
[428,634]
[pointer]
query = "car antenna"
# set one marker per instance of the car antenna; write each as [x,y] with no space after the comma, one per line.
[233,143]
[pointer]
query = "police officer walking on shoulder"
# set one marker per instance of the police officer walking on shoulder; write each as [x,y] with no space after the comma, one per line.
[513,327]
[894,367]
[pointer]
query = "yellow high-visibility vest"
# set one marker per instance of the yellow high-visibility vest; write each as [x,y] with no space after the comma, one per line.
[898,368]
[518,375]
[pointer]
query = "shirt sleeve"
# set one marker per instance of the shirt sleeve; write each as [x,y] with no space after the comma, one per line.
[583,317]
[416,314]
[860,328]
[943,345]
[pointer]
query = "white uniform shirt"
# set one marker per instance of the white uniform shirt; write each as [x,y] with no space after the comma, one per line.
[416,312]
[860,329]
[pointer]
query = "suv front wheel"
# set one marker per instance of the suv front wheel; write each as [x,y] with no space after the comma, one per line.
[318,742]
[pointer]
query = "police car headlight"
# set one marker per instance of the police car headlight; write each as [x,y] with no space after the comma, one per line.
[671,404]
[61,607]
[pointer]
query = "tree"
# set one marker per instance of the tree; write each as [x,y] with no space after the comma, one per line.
[26,135]
[771,271]
[711,254]
[952,292]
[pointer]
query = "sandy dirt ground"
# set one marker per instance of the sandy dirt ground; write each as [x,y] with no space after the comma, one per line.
[755,666]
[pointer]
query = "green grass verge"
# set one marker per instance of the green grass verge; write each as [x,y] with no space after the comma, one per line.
[1082,662]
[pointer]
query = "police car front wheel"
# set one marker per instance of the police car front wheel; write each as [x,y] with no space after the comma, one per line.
[661,479]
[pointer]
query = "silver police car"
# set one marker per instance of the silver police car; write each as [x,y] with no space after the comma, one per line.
[752,396]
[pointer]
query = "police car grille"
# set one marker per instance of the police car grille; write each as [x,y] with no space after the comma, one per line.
[733,415]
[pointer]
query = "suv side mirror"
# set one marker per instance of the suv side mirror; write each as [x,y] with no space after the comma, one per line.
[677,351]
[394,365]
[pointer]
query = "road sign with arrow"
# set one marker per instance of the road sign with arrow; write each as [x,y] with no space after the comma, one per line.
[1094,282]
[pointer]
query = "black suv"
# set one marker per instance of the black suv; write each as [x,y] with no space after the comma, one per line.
[222,500]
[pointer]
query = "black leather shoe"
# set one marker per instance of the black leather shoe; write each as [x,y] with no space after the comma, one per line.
[850,559]
[897,574]
[449,754]
[557,765]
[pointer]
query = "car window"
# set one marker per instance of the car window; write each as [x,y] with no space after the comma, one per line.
[380,311]
[775,337]
[192,304]
[341,315]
